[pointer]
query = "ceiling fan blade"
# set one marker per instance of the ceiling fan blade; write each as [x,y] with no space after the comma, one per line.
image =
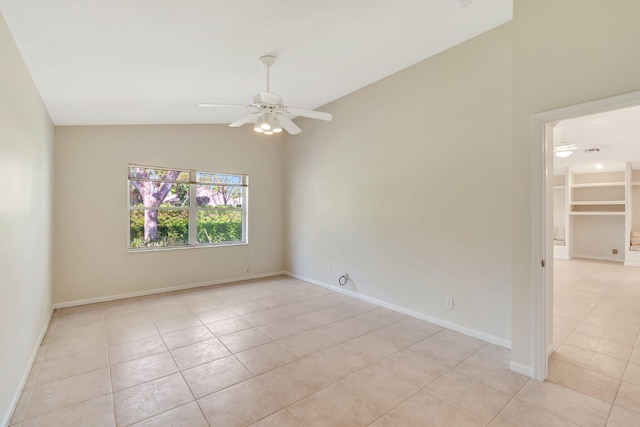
[243,120]
[310,113]
[565,147]
[289,126]
[224,105]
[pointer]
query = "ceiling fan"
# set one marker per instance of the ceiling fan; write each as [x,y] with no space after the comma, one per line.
[268,114]
[564,149]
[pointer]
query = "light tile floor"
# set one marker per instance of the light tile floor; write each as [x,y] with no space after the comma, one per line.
[281,352]
[596,325]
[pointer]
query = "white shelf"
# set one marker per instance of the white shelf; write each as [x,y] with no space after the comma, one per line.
[634,183]
[596,213]
[598,202]
[595,200]
[599,184]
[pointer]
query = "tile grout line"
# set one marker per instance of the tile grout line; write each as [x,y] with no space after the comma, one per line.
[613,403]
[61,379]
[182,376]
[106,342]
[509,401]
[438,377]
[588,369]
[390,355]
[297,358]
[347,376]
[609,292]
[253,376]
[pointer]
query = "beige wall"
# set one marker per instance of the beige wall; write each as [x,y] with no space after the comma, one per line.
[420,188]
[565,52]
[408,189]
[26,140]
[91,217]
[596,236]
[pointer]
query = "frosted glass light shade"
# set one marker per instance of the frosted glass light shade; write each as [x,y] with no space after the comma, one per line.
[276,126]
[562,154]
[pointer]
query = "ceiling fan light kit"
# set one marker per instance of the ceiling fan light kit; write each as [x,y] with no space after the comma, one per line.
[564,149]
[275,126]
[563,153]
[269,115]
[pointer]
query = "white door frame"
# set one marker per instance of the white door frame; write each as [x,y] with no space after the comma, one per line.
[542,198]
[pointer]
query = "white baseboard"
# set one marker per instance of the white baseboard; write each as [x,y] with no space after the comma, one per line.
[163,290]
[599,258]
[25,376]
[307,279]
[7,417]
[521,369]
[449,325]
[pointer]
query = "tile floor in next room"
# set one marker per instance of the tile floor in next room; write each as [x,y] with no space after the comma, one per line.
[596,324]
[282,352]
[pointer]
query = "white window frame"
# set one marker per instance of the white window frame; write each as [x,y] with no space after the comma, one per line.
[192,208]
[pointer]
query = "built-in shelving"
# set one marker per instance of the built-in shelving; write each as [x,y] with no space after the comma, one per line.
[561,219]
[600,202]
[593,213]
[632,218]
[598,184]
[597,194]
[592,204]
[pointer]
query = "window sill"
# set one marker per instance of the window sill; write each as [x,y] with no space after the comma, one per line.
[180,248]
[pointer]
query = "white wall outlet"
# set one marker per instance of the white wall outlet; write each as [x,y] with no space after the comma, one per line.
[448,302]
[188,271]
[329,270]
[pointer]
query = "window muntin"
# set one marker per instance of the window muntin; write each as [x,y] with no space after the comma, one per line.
[177,208]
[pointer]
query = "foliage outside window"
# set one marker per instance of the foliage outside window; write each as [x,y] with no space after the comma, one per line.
[182,208]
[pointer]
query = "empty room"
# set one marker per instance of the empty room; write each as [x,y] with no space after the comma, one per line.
[329,213]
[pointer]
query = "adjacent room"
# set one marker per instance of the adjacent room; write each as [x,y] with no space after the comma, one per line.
[286,213]
[596,212]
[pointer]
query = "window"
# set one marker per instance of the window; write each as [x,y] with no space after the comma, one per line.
[183,208]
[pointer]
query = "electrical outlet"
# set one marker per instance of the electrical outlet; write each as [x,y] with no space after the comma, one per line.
[448,302]
[188,271]
[614,251]
[329,269]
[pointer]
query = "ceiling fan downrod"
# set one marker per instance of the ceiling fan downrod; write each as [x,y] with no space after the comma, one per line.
[267,61]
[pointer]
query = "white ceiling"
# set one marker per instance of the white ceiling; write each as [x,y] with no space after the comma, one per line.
[617,132]
[153,61]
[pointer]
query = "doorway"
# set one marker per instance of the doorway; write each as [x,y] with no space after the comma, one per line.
[543,230]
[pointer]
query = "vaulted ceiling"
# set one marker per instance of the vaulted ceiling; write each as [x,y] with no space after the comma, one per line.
[153,61]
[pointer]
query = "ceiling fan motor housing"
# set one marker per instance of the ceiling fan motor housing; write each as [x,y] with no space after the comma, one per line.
[267,98]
